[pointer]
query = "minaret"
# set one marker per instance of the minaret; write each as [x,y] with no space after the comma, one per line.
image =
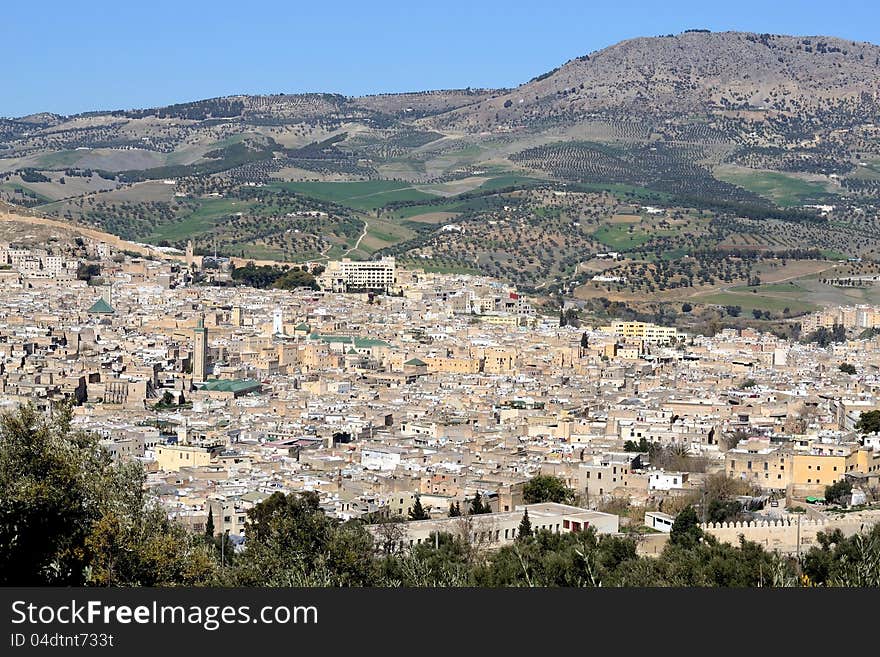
[277,322]
[200,351]
[183,433]
[236,316]
[190,259]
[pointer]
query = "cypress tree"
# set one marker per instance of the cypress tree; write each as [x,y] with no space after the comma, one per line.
[454,510]
[209,525]
[417,512]
[525,526]
[477,505]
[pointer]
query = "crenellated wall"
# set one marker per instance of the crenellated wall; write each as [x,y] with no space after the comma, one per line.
[780,534]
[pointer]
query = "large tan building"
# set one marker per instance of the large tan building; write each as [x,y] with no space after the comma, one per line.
[345,275]
[642,331]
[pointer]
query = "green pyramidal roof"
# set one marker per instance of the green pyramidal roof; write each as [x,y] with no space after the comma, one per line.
[101,307]
[418,362]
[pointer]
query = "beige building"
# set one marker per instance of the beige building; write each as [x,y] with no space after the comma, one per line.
[345,275]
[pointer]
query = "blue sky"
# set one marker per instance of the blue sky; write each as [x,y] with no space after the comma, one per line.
[71,57]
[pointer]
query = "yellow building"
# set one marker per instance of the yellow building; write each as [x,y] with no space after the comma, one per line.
[501,320]
[642,331]
[498,360]
[828,467]
[171,458]
[453,365]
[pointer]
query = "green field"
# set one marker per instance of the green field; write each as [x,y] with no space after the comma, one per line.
[12,187]
[510,180]
[200,221]
[457,206]
[618,237]
[782,189]
[362,195]
[766,301]
[60,159]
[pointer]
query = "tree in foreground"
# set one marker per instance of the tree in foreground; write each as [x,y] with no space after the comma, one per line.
[417,512]
[477,505]
[289,541]
[525,526]
[71,516]
[547,488]
[686,530]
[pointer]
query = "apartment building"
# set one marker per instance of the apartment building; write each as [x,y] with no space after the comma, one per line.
[350,275]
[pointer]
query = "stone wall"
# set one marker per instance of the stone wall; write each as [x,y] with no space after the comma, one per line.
[780,534]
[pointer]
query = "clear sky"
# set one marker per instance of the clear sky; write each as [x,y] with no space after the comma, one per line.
[68,57]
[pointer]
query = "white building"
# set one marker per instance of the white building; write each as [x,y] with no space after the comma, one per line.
[349,275]
[380,459]
[660,480]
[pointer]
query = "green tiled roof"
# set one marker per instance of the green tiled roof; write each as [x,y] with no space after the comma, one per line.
[357,343]
[101,307]
[230,385]
[415,361]
[301,327]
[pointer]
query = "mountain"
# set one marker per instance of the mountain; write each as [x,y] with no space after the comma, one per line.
[738,143]
[692,72]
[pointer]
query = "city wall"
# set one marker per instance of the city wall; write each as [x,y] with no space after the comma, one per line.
[781,534]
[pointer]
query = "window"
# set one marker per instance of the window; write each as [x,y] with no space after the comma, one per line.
[749,465]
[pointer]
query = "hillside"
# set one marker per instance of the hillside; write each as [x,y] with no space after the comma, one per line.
[694,72]
[707,160]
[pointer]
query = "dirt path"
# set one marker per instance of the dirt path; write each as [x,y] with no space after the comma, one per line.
[358,243]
